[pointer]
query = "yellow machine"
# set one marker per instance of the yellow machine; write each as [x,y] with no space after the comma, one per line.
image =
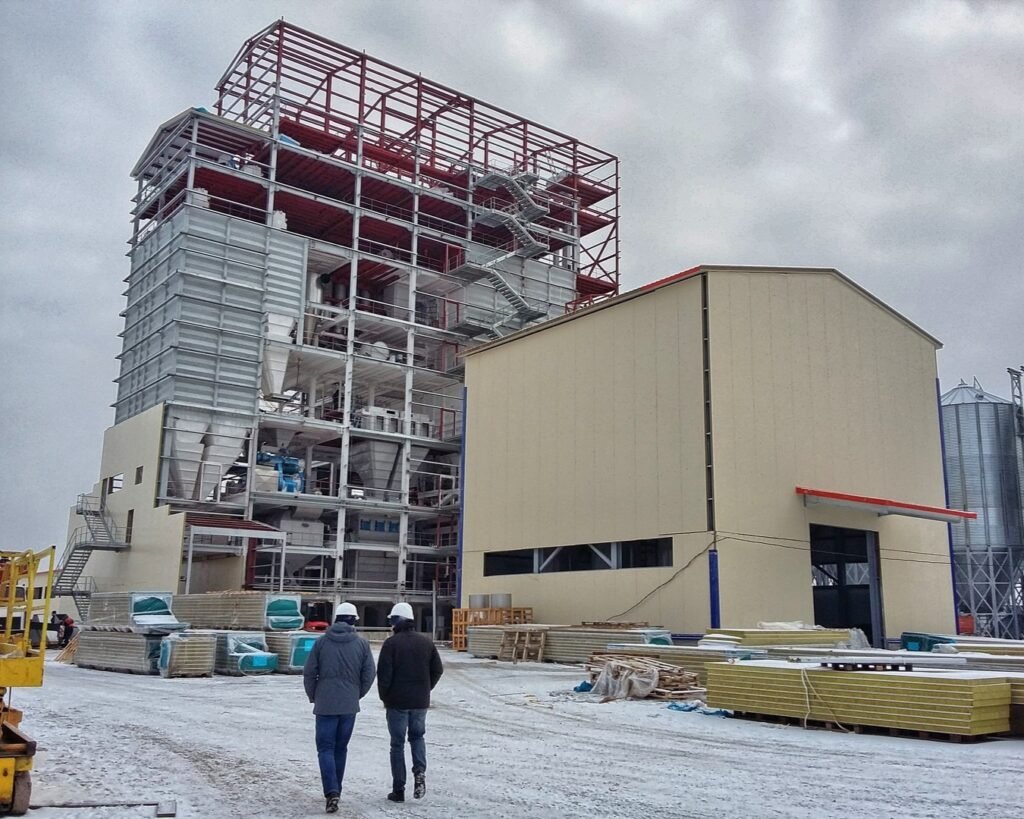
[21,665]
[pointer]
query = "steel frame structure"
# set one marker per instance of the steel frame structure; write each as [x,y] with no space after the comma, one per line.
[362,227]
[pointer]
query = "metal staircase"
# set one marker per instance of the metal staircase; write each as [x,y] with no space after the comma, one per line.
[529,208]
[523,308]
[98,534]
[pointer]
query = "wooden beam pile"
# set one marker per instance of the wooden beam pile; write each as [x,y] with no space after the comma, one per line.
[693,658]
[673,682]
[955,703]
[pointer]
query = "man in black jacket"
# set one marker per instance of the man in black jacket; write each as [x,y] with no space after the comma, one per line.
[337,674]
[407,671]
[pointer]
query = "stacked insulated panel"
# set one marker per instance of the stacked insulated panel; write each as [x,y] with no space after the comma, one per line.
[242,653]
[188,655]
[780,637]
[118,651]
[959,703]
[292,648]
[132,609]
[562,644]
[252,611]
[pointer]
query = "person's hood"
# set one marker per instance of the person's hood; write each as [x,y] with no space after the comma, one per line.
[341,633]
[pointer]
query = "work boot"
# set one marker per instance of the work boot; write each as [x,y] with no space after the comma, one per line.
[420,788]
[332,803]
[396,796]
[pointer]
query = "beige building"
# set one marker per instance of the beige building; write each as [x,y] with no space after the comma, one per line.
[727,446]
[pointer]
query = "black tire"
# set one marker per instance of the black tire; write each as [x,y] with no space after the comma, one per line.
[21,798]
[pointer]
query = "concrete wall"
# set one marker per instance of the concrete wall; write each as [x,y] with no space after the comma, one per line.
[815,384]
[153,561]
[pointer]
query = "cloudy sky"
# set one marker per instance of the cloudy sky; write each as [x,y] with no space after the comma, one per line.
[885,139]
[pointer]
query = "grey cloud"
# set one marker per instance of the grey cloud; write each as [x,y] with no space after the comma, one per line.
[883,138]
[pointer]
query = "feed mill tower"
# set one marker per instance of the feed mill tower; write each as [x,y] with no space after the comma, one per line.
[983,436]
[309,260]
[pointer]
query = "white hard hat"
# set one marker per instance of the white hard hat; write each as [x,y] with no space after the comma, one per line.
[403,610]
[347,610]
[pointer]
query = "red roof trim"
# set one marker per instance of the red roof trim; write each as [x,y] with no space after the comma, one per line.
[675,277]
[865,499]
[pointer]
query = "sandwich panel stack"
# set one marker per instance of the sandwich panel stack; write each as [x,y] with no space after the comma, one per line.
[249,611]
[242,653]
[825,637]
[188,655]
[118,651]
[292,648]
[563,644]
[136,609]
[961,703]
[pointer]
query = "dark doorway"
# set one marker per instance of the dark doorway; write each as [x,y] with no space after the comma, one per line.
[846,580]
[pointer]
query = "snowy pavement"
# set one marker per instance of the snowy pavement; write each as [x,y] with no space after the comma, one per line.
[502,741]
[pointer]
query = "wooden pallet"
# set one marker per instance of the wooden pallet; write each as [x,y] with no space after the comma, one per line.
[67,654]
[464,618]
[522,644]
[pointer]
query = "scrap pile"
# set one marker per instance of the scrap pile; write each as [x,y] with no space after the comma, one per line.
[955,703]
[623,677]
[693,658]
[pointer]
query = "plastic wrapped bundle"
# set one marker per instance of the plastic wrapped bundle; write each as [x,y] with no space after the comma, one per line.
[188,655]
[240,610]
[292,648]
[118,651]
[242,653]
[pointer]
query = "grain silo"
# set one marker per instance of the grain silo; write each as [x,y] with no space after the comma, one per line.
[984,474]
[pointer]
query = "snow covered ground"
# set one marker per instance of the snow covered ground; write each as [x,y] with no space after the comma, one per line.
[502,741]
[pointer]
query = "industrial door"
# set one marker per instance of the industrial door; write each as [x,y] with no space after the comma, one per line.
[846,580]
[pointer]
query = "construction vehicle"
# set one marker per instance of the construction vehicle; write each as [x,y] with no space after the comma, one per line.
[21,666]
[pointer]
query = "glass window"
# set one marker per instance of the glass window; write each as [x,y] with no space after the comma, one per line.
[645,554]
[518,561]
[138,475]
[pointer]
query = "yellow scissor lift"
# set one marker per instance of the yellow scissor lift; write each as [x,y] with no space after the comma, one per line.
[21,666]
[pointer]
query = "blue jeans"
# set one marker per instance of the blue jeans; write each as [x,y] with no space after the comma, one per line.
[332,736]
[414,723]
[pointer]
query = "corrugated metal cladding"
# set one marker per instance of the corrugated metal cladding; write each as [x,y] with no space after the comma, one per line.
[199,287]
[984,473]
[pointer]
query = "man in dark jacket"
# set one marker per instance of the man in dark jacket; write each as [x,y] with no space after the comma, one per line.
[337,674]
[408,669]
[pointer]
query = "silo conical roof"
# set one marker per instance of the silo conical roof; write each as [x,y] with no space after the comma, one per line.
[964,393]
